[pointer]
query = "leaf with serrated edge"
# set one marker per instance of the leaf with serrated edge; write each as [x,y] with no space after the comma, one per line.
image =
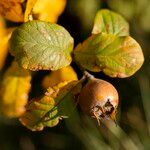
[11,10]
[14,91]
[48,110]
[115,56]
[39,45]
[107,21]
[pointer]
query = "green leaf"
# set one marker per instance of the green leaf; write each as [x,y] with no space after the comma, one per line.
[110,22]
[115,56]
[57,103]
[39,45]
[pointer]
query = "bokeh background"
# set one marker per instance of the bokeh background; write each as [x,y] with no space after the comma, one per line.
[133,130]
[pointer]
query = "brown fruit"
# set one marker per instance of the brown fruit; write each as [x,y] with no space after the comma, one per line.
[99,99]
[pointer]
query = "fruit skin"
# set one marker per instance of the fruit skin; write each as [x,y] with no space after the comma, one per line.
[99,99]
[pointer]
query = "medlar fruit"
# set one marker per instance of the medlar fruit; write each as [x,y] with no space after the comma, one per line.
[99,99]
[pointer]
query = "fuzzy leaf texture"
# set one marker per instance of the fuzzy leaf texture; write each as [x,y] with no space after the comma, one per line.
[14,91]
[39,45]
[107,21]
[12,10]
[115,56]
[64,74]
[57,103]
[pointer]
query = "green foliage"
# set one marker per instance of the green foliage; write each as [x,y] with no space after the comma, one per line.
[38,110]
[110,22]
[110,49]
[115,56]
[39,45]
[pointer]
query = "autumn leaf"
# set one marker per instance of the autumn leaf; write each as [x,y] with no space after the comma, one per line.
[39,45]
[14,91]
[5,34]
[107,21]
[29,9]
[12,10]
[3,49]
[61,75]
[2,27]
[45,10]
[3,42]
[115,56]
[48,10]
[57,103]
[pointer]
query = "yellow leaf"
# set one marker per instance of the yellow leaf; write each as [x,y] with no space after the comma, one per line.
[57,103]
[61,75]
[48,10]
[2,27]
[11,10]
[14,91]
[4,38]
[29,6]
[37,109]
